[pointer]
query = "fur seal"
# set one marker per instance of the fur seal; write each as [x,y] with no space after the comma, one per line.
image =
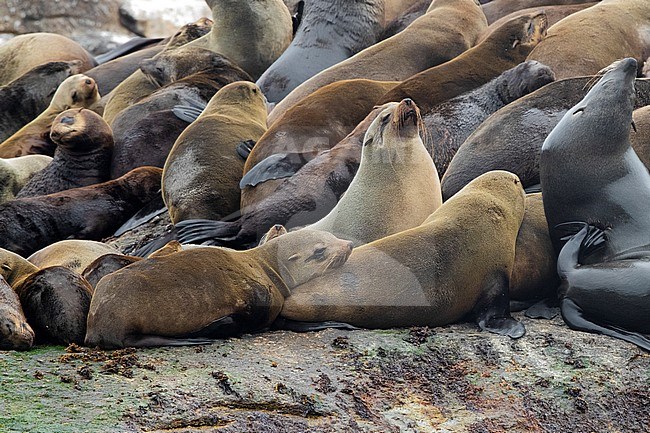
[609,298]
[330,32]
[641,138]
[497,9]
[29,95]
[448,124]
[90,212]
[73,254]
[203,170]
[589,40]
[15,332]
[106,264]
[84,143]
[396,187]
[74,92]
[590,173]
[504,49]
[56,301]
[15,173]
[24,52]
[469,245]
[449,28]
[146,131]
[403,20]
[222,292]
[14,268]
[511,139]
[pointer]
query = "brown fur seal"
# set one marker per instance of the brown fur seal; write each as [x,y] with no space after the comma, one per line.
[497,9]
[203,170]
[56,301]
[15,332]
[449,28]
[76,91]
[640,139]
[14,268]
[330,32]
[511,139]
[457,263]
[448,124]
[106,264]
[91,212]
[403,20]
[589,40]
[73,254]
[25,52]
[146,131]
[84,143]
[504,49]
[15,173]
[29,95]
[270,30]
[397,185]
[221,293]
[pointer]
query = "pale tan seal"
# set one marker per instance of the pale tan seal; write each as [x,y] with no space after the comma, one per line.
[457,263]
[396,187]
[206,293]
[74,254]
[15,332]
[16,172]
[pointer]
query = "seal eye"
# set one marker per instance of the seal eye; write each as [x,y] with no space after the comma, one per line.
[67,120]
[75,97]
[368,142]
[384,120]
[5,267]
[579,110]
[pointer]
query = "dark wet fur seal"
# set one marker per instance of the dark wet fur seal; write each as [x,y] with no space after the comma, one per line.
[15,332]
[30,94]
[511,139]
[91,212]
[145,132]
[84,143]
[450,123]
[56,302]
[329,32]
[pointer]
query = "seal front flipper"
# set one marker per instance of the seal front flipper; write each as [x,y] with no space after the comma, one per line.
[157,341]
[151,210]
[188,113]
[245,148]
[544,309]
[277,166]
[493,309]
[574,317]
[131,46]
[209,232]
[299,326]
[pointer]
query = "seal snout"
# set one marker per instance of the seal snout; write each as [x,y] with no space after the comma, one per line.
[408,110]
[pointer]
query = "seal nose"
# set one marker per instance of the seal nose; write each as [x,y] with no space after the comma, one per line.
[408,102]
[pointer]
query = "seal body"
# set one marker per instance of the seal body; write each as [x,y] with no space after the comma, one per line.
[15,173]
[73,254]
[449,28]
[75,91]
[221,293]
[82,156]
[397,185]
[15,332]
[203,170]
[91,212]
[329,32]
[469,245]
[497,9]
[589,171]
[589,40]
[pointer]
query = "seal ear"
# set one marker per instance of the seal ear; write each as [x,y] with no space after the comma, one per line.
[515,43]
[294,257]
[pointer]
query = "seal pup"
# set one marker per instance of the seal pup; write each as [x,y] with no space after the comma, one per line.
[24,52]
[77,91]
[589,40]
[611,297]
[449,28]
[74,254]
[222,292]
[29,95]
[15,173]
[396,187]
[84,143]
[329,32]
[15,332]
[589,171]
[91,212]
[504,49]
[469,246]
[202,172]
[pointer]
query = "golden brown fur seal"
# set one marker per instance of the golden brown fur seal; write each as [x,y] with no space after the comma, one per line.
[206,293]
[449,28]
[458,262]
[396,187]
[589,40]
[74,254]
[24,52]
[504,49]
[497,9]
[76,91]
[202,172]
[15,332]
[16,172]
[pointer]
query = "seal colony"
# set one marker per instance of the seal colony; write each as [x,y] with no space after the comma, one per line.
[327,209]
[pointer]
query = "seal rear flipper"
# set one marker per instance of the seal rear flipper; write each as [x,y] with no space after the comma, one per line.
[277,166]
[298,326]
[245,148]
[533,189]
[188,113]
[157,341]
[224,327]
[544,309]
[151,210]
[154,245]
[493,308]
[131,46]
[574,317]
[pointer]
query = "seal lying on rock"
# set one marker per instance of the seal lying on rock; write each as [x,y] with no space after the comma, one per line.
[15,332]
